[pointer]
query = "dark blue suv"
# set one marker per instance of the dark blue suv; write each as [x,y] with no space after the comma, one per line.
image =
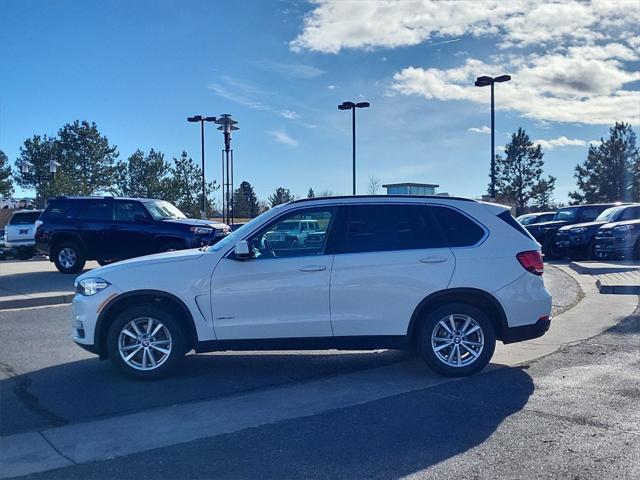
[73,230]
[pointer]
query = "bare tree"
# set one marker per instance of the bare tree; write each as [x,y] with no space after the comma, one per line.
[374,185]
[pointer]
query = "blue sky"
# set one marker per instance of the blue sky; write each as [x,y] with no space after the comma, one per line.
[138,69]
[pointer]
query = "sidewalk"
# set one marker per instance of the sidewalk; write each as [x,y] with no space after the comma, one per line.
[612,277]
[34,283]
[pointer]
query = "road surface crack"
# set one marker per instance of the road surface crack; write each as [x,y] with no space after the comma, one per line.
[21,385]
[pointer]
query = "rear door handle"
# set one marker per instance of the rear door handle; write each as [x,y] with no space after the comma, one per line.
[433,260]
[313,268]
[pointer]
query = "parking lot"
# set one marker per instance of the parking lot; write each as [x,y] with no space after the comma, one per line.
[54,390]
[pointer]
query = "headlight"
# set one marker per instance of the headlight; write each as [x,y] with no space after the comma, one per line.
[623,228]
[579,230]
[201,230]
[91,286]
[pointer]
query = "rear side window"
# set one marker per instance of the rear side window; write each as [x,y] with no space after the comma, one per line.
[60,211]
[458,229]
[96,211]
[381,228]
[506,217]
[25,218]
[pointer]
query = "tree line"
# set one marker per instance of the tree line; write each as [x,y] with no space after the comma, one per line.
[90,165]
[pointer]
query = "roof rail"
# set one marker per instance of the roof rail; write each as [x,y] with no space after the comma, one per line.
[343,197]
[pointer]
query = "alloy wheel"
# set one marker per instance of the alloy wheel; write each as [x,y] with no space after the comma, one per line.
[144,343]
[457,340]
[67,257]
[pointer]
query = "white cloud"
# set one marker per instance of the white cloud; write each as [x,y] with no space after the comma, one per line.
[283,137]
[483,129]
[560,142]
[289,114]
[239,92]
[571,61]
[291,70]
[331,87]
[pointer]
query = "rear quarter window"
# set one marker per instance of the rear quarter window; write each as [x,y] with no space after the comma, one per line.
[59,211]
[458,229]
[508,218]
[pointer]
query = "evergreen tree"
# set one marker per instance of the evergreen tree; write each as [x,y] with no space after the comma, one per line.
[6,183]
[144,176]
[185,186]
[39,151]
[611,171]
[280,196]
[519,173]
[543,196]
[311,193]
[87,161]
[245,202]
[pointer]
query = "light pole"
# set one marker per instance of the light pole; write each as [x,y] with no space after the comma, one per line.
[227,125]
[38,178]
[352,106]
[483,82]
[202,119]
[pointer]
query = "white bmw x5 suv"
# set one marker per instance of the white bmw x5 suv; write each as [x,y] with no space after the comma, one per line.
[446,276]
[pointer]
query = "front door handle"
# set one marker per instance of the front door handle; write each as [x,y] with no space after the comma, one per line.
[313,268]
[433,260]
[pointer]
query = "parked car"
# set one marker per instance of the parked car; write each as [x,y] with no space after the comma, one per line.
[578,240]
[19,233]
[537,217]
[618,240]
[73,230]
[293,233]
[392,272]
[545,232]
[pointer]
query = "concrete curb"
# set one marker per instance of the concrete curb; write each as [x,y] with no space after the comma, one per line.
[36,301]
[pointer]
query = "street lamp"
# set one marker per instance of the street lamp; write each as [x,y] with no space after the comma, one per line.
[352,106]
[38,177]
[485,81]
[227,125]
[202,119]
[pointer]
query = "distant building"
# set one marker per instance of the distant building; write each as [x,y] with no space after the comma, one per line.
[411,188]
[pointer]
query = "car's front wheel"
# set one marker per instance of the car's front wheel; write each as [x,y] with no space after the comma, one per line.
[146,342]
[457,340]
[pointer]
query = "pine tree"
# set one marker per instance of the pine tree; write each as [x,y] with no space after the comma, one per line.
[143,175]
[185,186]
[311,193]
[280,196]
[519,173]
[38,152]
[611,171]
[6,183]
[245,202]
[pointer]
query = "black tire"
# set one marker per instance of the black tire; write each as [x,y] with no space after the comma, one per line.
[75,253]
[170,247]
[178,341]
[468,366]
[550,250]
[102,262]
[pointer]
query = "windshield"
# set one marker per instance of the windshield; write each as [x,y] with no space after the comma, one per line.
[566,214]
[161,210]
[610,214]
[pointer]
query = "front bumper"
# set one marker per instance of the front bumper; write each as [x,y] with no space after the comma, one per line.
[85,312]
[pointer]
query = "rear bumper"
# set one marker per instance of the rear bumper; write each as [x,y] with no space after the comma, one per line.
[526,332]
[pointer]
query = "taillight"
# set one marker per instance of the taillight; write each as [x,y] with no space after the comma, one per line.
[531,261]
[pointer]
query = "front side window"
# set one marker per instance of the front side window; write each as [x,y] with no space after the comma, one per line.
[286,238]
[566,214]
[589,214]
[381,228]
[631,213]
[128,211]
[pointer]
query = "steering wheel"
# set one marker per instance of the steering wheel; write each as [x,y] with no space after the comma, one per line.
[266,247]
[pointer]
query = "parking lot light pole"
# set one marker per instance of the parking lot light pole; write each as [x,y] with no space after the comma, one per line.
[227,125]
[485,81]
[352,106]
[202,119]
[38,178]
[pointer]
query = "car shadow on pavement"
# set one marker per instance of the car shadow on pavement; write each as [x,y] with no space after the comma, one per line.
[89,389]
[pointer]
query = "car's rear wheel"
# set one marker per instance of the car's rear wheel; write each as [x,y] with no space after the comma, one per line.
[146,342]
[456,340]
[68,257]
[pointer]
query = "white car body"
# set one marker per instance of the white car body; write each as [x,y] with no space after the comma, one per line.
[373,296]
[20,234]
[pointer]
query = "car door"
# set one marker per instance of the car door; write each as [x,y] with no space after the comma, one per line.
[131,235]
[91,225]
[282,291]
[392,257]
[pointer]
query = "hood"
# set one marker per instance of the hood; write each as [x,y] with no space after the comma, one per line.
[196,222]
[552,224]
[166,257]
[588,225]
[611,225]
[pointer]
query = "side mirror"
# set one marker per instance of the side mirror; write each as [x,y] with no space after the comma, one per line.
[242,250]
